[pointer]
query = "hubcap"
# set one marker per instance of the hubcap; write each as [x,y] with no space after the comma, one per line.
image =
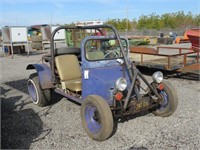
[165,99]
[92,119]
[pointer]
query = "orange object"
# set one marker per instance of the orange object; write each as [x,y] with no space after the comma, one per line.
[185,39]
[177,40]
[194,37]
[141,49]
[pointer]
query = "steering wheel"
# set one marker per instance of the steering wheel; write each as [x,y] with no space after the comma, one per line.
[115,54]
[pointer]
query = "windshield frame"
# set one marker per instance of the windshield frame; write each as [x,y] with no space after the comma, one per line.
[90,38]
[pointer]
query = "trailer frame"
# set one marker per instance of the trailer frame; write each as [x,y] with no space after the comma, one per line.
[186,62]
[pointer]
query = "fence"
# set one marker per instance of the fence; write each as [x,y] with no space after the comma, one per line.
[151,32]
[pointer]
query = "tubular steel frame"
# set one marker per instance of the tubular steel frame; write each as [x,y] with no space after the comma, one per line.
[133,72]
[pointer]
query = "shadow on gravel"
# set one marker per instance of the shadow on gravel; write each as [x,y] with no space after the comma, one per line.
[169,74]
[126,119]
[20,126]
[187,76]
[138,148]
[31,53]
[23,88]
[20,85]
[3,91]
[131,117]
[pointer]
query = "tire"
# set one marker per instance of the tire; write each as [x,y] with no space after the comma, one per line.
[170,98]
[38,96]
[101,127]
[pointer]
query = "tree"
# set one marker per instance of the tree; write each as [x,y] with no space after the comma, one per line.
[120,24]
[168,20]
[197,20]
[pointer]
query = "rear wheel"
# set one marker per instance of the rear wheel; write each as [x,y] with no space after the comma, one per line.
[97,118]
[38,96]
[170,101]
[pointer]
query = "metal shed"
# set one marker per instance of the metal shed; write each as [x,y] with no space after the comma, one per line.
[15,36]
[46,36]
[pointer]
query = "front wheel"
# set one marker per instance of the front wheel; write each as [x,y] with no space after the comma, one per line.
[170,101]
[97,118]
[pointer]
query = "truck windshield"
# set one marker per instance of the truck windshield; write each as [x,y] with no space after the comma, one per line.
[103,49]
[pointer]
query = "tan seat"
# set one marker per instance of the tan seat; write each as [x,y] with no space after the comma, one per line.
[69,72]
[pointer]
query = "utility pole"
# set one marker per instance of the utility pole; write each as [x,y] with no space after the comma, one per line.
[126,17]
[51,18]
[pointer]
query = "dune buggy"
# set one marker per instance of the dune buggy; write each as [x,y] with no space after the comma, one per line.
[100,76]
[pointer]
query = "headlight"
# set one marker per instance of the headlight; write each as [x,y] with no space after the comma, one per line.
[157,77]
[121,84]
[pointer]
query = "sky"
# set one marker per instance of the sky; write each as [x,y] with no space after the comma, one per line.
[32,12]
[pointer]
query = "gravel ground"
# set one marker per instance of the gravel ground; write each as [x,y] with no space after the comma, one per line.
[24,125]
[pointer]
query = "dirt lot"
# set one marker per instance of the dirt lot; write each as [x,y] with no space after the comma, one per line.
[24,125]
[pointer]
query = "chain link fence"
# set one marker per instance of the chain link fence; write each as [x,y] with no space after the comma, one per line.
[152,32]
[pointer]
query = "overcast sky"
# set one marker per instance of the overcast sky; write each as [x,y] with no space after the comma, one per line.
[31,12]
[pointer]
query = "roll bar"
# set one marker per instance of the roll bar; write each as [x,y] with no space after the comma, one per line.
[96,27]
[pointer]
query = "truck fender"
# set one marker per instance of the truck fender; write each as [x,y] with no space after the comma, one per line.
[44,75]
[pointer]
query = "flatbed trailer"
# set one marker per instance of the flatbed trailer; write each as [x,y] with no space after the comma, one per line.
[167,58]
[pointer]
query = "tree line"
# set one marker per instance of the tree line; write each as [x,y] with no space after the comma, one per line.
[154,21]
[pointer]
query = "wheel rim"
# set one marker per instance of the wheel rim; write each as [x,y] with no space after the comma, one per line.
[92,119]
[32,91]
[165,100]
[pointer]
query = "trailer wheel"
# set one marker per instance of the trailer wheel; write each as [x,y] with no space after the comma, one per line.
[38,96]
[170,101]
[97,118]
